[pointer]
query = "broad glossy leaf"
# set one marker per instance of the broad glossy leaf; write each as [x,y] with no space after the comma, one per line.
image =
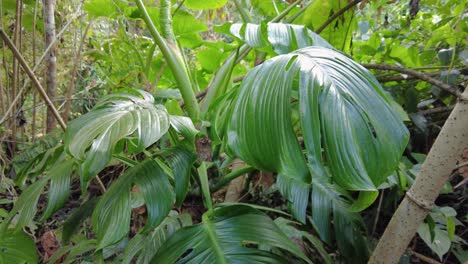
[59,189]
[351,135]
[93,136]
[203,5]
[223,237]
[181,161]
[111,217]
[282,37]
[17,247]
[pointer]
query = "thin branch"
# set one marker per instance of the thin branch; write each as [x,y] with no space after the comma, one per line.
[337,14]
[33,78]
[417,74]
[437,110]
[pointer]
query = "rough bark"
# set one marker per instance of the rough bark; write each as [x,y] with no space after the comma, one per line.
[435,171]
[51,60]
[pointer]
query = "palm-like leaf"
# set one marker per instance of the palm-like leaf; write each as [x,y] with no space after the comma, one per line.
[229,234]
[342,110]
[114,118]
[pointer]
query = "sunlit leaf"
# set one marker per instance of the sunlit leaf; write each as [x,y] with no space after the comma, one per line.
[111,217]
[144,246]
[203,5]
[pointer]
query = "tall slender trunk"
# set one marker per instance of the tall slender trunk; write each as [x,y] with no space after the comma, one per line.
[51,60]
[34,110]
[436,170]
[15,80]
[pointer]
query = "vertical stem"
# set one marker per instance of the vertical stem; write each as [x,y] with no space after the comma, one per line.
[166,21]
[175,62]
[436,170]
[51,60]
[34,111]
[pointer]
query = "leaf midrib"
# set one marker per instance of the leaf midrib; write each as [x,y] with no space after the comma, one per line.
[208,226]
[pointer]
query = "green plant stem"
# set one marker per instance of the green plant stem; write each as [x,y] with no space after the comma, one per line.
[219,83]
[231,176]
[176,64]
[166,21]
[244,14]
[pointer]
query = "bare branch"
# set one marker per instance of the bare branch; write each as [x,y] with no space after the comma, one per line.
[417,74]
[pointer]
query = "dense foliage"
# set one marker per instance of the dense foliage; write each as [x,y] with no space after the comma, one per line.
[316,114]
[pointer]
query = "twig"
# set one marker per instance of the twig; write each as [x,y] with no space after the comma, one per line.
[417,74]
[437,110]
[33,78]
[424,258]
[377,216]
[337,14]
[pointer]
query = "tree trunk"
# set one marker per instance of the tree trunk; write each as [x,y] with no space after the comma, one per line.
[51,60]
[436,170]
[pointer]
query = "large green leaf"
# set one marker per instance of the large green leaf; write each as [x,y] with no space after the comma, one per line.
[282,37]
[206,4]
[111,217]
[230,234]
[342,111]
[93,136]
[17,247]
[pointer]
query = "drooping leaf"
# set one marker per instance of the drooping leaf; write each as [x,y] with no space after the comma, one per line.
[206,4]
[282,37]
[340,103]
[153,183]
[441,242]
[17,247]
[73,222]
[224,236]
[111,217]
[113,118]
[26,205]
